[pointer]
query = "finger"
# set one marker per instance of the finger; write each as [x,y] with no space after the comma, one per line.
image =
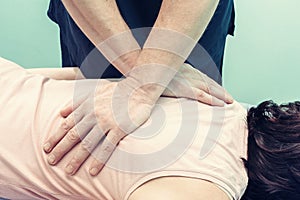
[204,97]
[105,150]
[72,105]
[212,88]
[96,167]
[177,88]
[94,137]
[67,110]
[68,123]
[208,85]
[73,137]
[64,127]
[219,92]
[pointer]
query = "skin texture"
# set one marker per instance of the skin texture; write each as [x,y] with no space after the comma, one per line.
[148,72]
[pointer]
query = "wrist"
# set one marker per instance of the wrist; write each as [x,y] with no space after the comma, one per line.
[152,78]
[149,92]
[126,62]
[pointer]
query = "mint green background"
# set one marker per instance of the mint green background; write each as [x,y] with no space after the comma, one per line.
[262,61]
[27,36]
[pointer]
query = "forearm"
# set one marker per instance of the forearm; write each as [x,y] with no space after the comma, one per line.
[179,26]
[68,73]
[103,24]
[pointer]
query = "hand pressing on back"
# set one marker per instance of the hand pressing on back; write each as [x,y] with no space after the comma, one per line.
[98,123]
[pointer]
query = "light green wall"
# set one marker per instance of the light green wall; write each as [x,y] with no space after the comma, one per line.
[262,60]
[27,36]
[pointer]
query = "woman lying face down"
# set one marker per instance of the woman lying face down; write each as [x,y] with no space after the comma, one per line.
[198,152]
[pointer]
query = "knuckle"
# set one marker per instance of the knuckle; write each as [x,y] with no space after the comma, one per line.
[64,125]
[208,89]
[87,145]
[115,140]
[200,94]
[119,135]
[73,136]
[104,154]
[108,148]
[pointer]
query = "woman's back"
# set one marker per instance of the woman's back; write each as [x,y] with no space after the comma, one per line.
[183,138]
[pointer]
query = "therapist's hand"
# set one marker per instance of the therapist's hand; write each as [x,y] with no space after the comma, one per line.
[98,123]
[193,84]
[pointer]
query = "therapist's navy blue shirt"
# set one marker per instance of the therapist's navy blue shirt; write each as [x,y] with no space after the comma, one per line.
[75,47]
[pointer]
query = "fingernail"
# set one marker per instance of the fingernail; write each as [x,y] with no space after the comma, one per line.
[229,98]
[69,169]
[47,147]
[93,171]
[51,159]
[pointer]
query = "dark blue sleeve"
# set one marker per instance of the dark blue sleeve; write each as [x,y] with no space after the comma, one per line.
[77,50]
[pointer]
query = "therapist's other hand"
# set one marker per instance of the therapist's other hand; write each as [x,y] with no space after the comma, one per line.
[193,84]
[98,124]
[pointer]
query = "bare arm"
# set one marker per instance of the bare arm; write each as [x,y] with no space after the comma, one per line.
[103,24]
[68,73]
[179,26]
[100,20]
[185,21]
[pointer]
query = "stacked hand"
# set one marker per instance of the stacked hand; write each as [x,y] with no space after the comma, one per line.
[193,84]
[99,121]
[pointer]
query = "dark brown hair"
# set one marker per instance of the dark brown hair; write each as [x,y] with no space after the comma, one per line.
[273,162]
